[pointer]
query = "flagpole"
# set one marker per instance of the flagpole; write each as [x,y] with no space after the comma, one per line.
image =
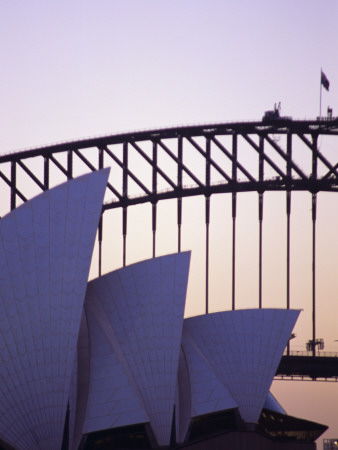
[320,95]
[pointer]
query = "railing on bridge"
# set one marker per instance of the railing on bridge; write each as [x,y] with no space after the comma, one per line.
[319,353]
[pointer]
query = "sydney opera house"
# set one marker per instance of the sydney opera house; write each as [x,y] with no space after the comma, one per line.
[112,363]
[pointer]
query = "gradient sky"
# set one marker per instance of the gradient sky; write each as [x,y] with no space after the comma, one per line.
[87,68]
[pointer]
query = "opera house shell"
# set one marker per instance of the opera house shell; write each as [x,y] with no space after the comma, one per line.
[112,363]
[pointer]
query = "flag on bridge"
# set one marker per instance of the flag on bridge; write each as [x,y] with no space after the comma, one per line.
[324,81]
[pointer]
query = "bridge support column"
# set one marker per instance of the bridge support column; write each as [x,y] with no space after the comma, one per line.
[101,163]
[13,185]
[125,196]
[100,244]
[288,217]
[207,222]
[234,209]
[154,214]
[179,185]
[154,205]
[314,217]
[124,233]
[260,213]
[179,223]
[234,213]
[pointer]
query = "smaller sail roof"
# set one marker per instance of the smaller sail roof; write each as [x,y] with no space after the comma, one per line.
[244,348]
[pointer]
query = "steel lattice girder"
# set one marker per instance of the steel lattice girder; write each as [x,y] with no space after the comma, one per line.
[236,175]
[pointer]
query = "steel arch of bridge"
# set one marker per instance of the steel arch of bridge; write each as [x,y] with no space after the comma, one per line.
[273,145]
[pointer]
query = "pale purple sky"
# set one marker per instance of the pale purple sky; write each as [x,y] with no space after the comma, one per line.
[86,68]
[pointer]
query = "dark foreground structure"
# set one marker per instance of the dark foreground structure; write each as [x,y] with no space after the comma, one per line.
[113,364]
[274,432]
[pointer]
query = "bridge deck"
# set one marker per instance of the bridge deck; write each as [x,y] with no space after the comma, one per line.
[296,367]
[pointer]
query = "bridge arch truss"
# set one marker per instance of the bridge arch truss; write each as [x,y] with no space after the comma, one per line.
[175,163]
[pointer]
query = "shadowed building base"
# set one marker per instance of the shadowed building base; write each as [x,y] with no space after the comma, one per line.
[241,440]
[219,431]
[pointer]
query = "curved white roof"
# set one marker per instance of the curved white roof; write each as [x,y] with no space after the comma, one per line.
[79,386]
[135,319]
[272,403]
[182,399]
[45,253]
[208,393]
[244,348]
[199,391]
[113,399]
[137,358]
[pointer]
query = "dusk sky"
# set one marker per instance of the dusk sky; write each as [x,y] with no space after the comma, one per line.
[79,69]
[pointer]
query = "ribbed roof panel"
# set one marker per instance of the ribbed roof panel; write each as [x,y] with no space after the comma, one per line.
[244,348]
[272,403]
[45,253]
[141,308]
[208,393]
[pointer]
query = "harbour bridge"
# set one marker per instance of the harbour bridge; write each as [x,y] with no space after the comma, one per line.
[149,167]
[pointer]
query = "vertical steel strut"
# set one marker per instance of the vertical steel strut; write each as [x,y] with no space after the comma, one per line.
[154,190]
[100,244]
[314,218]
[234,208]
[13,185]
[288,214]
[179,185]
[260,215]
[124,234]
[101,163]
[154,211]
[207,222]
[288,217]
[179,223]
[70,164]
[125,196]
[234,213]
[46,172]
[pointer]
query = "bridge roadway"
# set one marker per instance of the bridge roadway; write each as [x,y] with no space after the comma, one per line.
[305,366]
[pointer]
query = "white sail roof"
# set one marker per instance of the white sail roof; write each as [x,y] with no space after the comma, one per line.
[208,393]
[45,253]
[273,404]
[244,348]
[140,312]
